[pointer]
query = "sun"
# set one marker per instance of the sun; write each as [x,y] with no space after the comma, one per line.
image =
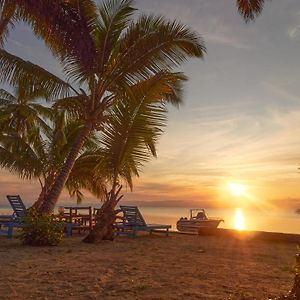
[238,189]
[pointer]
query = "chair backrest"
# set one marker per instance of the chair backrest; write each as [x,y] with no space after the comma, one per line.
[132,216]
[17,205]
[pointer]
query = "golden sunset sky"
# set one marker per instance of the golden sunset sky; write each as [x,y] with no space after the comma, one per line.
[240,123]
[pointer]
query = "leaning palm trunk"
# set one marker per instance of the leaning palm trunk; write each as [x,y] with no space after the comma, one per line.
[105,218]
[39,202]
[45,189]
[50,199]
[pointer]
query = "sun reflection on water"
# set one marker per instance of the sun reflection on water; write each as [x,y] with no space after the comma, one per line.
[239,219]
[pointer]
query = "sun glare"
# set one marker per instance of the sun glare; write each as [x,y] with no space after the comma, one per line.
[239,219]
[237,189]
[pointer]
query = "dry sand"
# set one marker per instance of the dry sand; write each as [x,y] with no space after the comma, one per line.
[148,267]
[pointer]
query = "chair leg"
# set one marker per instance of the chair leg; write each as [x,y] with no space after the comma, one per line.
[167,233]
[10,229]
[69,228]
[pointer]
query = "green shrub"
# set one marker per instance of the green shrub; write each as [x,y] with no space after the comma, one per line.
[41,229]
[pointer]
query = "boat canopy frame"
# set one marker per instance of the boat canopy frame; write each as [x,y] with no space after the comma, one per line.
[195,211]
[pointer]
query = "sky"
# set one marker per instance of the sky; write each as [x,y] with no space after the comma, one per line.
[239,124]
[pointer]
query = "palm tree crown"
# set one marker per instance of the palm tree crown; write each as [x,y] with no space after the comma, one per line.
[123,56]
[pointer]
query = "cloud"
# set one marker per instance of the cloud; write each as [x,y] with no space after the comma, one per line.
[294,32]
[217,32]
[281,92]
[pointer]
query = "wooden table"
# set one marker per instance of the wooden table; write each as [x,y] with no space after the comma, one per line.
[80,215]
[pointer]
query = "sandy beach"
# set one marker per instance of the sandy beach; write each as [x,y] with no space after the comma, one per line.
[148,267]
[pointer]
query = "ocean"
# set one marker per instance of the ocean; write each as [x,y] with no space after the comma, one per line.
[236,218]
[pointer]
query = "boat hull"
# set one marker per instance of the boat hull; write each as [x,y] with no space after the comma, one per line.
[196,226]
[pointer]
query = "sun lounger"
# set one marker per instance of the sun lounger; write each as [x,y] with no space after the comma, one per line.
[17,205]
[133,221]
[8,223]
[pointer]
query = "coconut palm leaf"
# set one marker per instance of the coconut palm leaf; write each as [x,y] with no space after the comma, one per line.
[7,18]
[74,106]
[113,17]
[19,112]
[6,97]
[135,124]
[250,9]
[16,71]
[65,26]
[16,155]
[83,177]
[151,45]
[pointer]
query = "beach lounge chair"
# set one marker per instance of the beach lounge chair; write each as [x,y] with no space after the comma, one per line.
[17,205]
[133,221]
[9,222]
[15,220]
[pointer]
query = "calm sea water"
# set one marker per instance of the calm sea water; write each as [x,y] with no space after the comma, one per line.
[282,221]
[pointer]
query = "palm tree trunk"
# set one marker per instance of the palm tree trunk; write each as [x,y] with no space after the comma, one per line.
[39,202]
[51,198]
[49,180]
[105,219]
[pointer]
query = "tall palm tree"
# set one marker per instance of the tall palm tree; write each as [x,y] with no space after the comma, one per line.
[125,53]
[129,140]
[35,155]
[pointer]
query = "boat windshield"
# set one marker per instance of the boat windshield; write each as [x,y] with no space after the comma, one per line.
[198,214]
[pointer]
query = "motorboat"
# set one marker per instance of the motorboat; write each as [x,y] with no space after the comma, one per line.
[197,222]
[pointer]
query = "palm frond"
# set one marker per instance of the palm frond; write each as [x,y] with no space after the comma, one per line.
[164,86]
[74,106]
[65,26]
[6,96]
[250,9]
[153,44]
[16,71]
[83,177]
[7,18]
[16,155]
[42,110]
[114,17]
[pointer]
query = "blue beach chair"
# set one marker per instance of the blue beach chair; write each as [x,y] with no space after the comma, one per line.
[133,222]
[9,222]
[15,220]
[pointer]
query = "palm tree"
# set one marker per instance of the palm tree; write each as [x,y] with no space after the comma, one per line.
[21,111]
[124,53]
[35,155]
[129,140]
